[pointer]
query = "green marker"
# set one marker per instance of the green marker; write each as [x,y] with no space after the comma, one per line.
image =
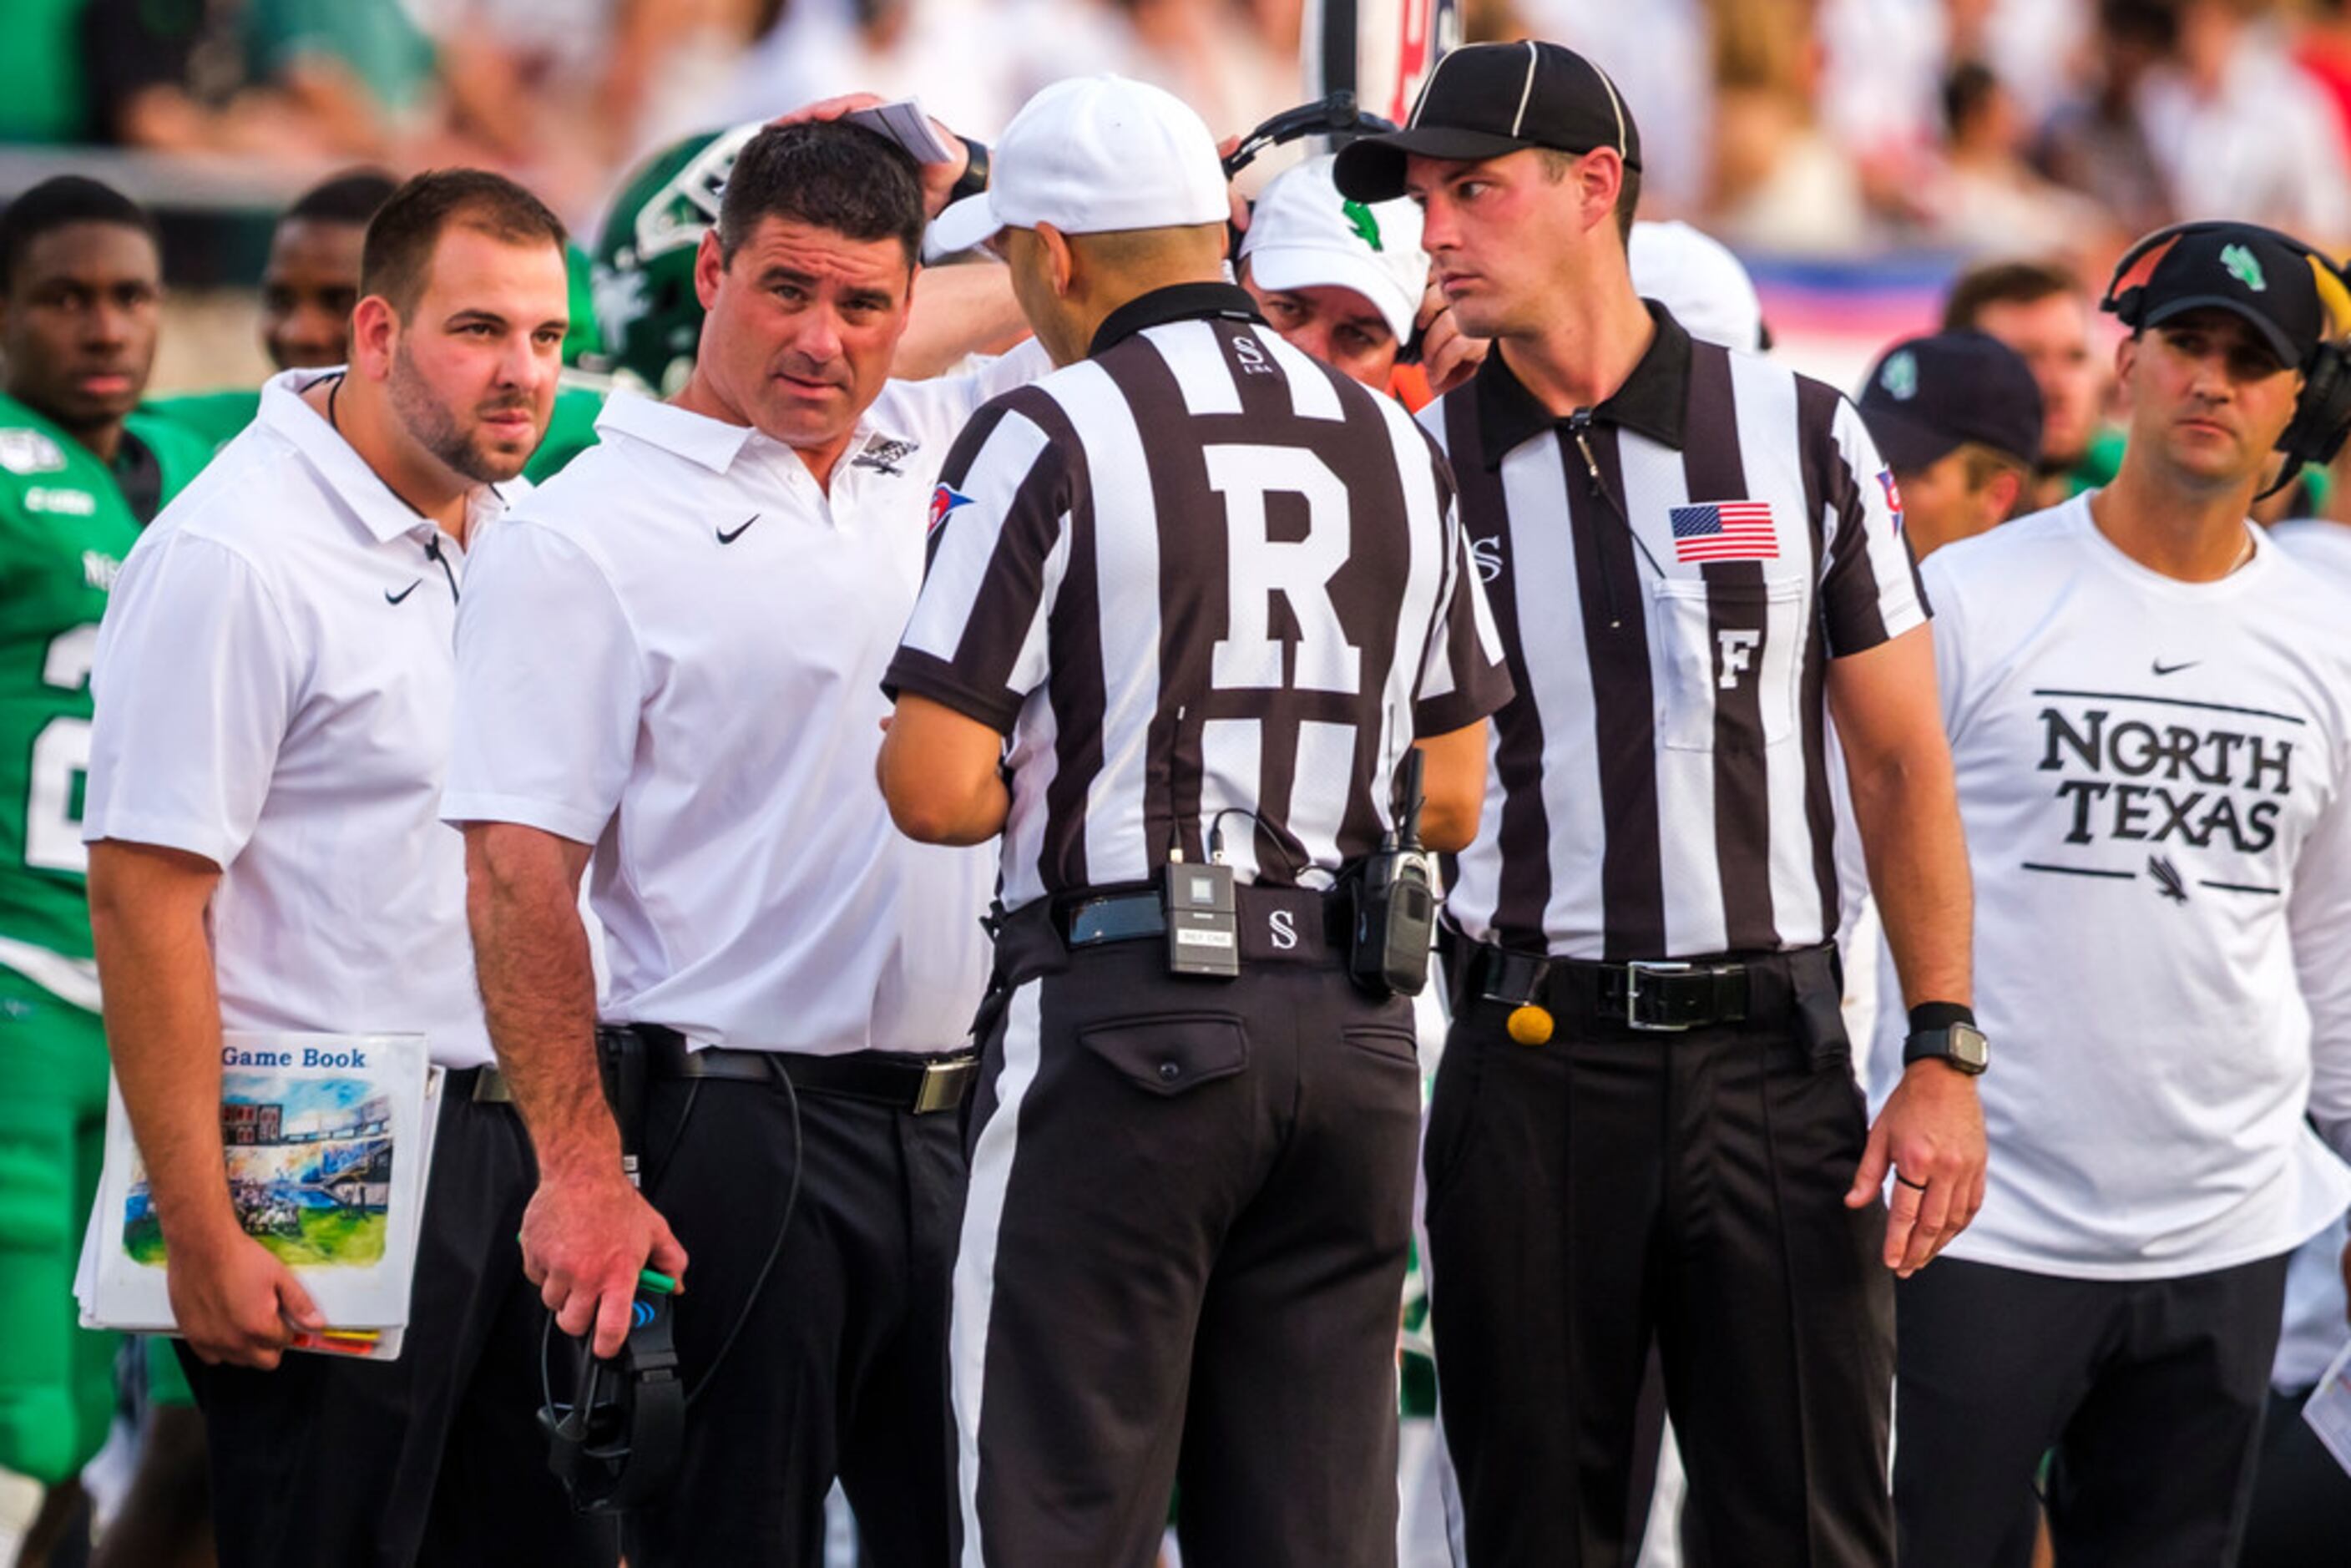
[656,1281]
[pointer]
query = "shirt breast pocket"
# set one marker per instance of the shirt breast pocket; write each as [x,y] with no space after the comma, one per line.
[1726,662]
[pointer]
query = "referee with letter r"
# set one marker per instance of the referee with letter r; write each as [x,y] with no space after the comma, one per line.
[1646,1128]
[1192,601]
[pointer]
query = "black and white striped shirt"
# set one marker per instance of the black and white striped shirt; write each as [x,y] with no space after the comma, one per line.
[1659,786]
[1194,576]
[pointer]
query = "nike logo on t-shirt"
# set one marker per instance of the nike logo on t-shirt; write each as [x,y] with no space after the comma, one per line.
[391,598]
[725,537]
[2163,669]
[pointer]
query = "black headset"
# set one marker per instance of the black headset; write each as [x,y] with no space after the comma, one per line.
[1335,116]
[2322,414]
[615,1445]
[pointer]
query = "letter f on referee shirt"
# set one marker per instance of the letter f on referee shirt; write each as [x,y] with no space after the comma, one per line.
[1737,645]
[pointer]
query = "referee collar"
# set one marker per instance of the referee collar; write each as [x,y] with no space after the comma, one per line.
[1654,400]
[1176,302]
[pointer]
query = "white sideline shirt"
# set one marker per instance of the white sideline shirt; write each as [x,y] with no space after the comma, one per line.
[673,653]
[2152,776]
[2321,546]
[273,686]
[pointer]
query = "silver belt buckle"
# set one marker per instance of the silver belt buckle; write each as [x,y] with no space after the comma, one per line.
[1634,969]
[943,1084]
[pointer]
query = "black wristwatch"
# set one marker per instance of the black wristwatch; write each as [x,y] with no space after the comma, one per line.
[975,171]
[1946,1031]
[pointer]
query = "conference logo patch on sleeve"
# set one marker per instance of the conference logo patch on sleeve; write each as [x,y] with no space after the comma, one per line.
[1893,496]
[945,498]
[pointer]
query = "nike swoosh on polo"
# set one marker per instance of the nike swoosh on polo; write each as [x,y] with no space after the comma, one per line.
[725,537]
[2163,669]
[391,598]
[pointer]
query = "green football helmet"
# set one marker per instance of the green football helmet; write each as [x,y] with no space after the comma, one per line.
[643,275]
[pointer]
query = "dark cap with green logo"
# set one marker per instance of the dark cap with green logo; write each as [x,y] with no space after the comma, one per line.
[2241,269]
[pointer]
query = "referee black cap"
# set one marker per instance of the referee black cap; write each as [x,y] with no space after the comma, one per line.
[1931,395]
[1485,100]
[2241,268]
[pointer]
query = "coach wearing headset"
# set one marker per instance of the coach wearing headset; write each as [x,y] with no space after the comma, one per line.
[2150,707]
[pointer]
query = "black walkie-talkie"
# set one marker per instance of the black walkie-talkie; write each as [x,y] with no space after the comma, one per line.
[1395,903]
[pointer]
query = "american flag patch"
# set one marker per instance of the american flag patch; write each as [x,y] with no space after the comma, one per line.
[1725,530]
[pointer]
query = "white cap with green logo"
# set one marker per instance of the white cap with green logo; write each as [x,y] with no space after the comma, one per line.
[1303,233]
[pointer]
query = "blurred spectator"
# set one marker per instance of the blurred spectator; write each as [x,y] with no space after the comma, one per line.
[1781,182]
[2042,312]
[1883,65]
[2323,47]
[42,96]
[1660,54]
[970,64]
[184,76]
[2036,47]
[2239,131]
[561,92]
[2095,143]
[1986,197]
[1235,61]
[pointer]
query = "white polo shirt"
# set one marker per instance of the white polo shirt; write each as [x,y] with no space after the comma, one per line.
[273,685]
[675,654]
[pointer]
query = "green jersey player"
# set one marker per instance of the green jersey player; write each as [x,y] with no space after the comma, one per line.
[80,472]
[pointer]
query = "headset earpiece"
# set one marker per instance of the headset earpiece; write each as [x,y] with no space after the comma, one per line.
[2322,417]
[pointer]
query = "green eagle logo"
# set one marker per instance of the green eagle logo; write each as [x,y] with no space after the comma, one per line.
[2244,268]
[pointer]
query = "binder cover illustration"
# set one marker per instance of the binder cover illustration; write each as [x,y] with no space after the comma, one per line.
[328,1140]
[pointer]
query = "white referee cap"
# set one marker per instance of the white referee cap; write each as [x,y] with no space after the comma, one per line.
[1093,155]
[1697,277]
[1304,235]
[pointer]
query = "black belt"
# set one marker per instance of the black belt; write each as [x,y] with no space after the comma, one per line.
[1314,925]
[919,1085]
[482,1085]
[1647,995]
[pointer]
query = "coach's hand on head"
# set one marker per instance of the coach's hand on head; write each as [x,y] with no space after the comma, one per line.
[939,179]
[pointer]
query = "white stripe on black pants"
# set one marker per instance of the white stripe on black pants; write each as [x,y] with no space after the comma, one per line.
[2150,1393]
[1183,1256]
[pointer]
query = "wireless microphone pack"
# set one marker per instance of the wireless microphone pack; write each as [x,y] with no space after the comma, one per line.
[1394,894]
[1203,934]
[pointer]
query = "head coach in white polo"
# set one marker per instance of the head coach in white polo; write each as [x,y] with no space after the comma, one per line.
[673,657]
[1645,1127]
[272,681]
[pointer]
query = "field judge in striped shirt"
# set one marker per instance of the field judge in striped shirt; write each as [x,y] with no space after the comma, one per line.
[1646,1128]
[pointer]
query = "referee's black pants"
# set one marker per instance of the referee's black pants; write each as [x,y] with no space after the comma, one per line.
[1611,1189]
[435,1458]
[2146,1395]
[838,1366]
[1183,1258]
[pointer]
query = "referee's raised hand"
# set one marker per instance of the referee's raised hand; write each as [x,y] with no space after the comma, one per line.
[1930,1137]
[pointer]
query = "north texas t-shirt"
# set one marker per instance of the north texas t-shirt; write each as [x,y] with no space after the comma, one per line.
[2152,776]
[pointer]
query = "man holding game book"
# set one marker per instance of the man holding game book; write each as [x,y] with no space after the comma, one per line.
[272,681]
